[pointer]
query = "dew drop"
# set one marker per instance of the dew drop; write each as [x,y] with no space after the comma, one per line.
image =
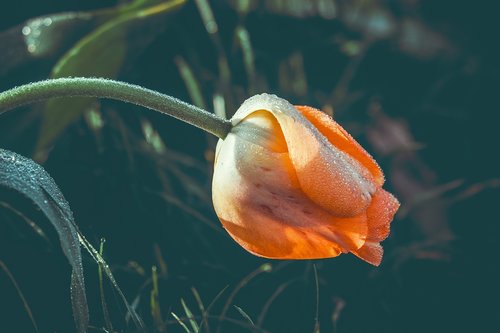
[212,27]
[26,30]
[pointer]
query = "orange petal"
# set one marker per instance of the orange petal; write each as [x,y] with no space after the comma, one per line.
[327,175]
[339,137]
[371,252]
[379,214]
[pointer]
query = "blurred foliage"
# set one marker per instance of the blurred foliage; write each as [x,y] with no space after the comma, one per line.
[414,81]
[101,53]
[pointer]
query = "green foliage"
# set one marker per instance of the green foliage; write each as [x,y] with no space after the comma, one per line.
[26,177]
[101,53]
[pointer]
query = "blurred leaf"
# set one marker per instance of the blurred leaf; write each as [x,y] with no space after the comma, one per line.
[23,175]
[152,137]
[243,39]
[243,7]
[244,315]
[49,35]
[292,75]
[102,53]
[326,9]
[371,18]
[192,84]
[412,179]
[45,36]
[180,322]
[155,302]
[419,40]
[212,29]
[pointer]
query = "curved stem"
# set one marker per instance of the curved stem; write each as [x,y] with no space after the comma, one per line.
[104,88]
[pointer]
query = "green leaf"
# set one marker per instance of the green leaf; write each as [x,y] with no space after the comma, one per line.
[46,37]
[244,315]
[26,177]
[101,53]
[326,9]
[190,317]
[180,322]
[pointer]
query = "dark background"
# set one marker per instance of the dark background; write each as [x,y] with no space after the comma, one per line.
[415,81]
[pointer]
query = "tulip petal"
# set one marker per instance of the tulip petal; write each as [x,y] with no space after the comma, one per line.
[339,137]
[379,214]
[327,175]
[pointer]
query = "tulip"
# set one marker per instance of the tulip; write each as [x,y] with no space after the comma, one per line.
[290,183]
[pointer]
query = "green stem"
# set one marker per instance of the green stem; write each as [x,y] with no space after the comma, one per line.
[104,88]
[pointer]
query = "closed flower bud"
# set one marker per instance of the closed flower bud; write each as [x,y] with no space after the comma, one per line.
[290,183]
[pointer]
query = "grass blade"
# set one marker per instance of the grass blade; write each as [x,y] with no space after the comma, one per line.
[105,267]
[190,316]
[155,303]
[180,322]
[263,268]
[105,312]
[316,317]
[243,38]
[244,315]
[204,320]
[191,83]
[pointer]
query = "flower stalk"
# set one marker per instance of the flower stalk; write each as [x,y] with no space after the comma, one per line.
[105,88]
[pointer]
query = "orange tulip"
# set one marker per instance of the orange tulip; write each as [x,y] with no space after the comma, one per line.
[290,183]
